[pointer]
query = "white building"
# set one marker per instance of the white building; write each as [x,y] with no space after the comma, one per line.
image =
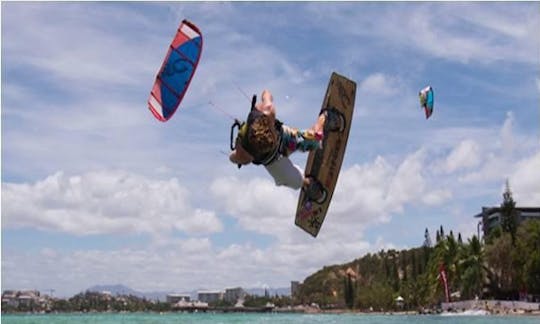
[232,295]
[17,298]
[175,298]
[210,296]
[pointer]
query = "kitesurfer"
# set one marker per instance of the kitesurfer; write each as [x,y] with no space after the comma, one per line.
[265,140]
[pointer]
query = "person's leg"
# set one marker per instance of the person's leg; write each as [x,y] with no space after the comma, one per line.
[302,140]
[328,120]
[285,173]
[317,129]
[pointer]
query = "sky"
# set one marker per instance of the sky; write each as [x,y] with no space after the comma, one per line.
[96,191]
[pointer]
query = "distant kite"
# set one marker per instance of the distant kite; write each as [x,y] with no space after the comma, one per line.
[426,100]
[174,76]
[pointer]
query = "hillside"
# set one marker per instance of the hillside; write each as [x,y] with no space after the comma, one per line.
[473,269]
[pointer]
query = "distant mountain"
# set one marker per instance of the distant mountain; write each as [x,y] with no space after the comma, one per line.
[114,289]
[162,295]
[123,290]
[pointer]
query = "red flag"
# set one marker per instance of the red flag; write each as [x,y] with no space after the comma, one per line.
[444,280]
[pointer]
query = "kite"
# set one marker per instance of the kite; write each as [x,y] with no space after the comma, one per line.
[176,71]
[426,100]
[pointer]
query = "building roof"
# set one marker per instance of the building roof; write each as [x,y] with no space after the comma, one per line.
[210,292]
[492,210]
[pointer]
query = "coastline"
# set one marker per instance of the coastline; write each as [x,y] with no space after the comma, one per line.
[493,307]
[468,307]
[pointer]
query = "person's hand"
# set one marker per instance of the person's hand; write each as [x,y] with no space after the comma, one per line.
[266,105]
[266,108]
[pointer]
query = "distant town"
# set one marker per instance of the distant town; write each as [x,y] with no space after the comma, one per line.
[227,300]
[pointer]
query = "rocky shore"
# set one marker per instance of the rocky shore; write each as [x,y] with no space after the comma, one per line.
[467,307]
[492,307]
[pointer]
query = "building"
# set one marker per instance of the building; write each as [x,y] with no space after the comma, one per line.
[10,298]
[295,285]
[22,298]
[175,298]
[210,296]
[232,295]
[490,217]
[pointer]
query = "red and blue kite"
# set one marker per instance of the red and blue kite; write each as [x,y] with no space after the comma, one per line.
[176,72]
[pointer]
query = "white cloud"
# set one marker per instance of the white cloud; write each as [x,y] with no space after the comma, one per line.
[500,153]
[437,26]
[437,197]
[365,195]
[99,58]
[257,204]
[408,183]
[362,190]
[506,135]
[466,155]
[104,202]
[187,265]
[379,84]
[442,30]
[525,181]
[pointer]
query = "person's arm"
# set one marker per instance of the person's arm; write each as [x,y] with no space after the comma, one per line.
[266,97]
[267,104]
[240,156]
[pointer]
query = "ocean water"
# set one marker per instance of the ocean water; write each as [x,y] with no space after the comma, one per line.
[152,318]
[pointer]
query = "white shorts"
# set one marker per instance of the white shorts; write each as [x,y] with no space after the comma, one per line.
[285,173]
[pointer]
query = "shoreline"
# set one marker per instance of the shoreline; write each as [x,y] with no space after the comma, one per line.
[318,312]
[459,308]
[468,307]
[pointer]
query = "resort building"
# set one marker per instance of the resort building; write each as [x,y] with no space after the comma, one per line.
[210,296]
[23,298]
[490,217]
[295,285]
[175,298]
[232,295]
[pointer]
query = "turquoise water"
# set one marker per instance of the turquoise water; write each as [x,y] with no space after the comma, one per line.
[151,318]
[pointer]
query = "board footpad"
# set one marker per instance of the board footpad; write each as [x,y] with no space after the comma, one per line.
[335,120]
[316,191]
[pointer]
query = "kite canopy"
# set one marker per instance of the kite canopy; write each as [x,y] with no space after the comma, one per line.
[176,71]
[426,100]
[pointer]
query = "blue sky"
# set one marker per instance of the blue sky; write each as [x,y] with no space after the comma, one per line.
[96,191]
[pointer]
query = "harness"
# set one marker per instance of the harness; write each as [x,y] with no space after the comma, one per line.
[242,138]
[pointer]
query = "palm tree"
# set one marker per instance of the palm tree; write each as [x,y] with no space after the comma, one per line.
[474,270]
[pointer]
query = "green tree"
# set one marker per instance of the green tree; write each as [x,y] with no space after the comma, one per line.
[502,273]
[349,292]
[509,217]
[528,251]
[378,296]
[427,239]
[474,273]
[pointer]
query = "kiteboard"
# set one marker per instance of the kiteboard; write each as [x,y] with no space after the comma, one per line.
[324,164]
[176,72]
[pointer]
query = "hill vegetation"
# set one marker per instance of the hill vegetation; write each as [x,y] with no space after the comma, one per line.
[505,266]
